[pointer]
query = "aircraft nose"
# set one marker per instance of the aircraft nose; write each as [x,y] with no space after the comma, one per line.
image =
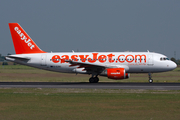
[172,65]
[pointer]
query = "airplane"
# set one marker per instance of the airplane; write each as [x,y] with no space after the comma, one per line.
[114,65]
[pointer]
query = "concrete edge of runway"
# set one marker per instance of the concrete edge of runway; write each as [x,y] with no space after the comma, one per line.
[86,85]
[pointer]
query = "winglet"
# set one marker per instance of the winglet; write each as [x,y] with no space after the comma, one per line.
[23,44]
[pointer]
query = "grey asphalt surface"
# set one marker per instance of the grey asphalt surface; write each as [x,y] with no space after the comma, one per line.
[86,85]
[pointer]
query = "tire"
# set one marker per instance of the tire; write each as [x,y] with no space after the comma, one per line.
[151,81]
[91,80]
[96,80]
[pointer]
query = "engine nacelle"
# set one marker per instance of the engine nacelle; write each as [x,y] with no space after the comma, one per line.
[117,73]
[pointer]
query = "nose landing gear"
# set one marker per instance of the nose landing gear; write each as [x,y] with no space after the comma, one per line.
[150,79]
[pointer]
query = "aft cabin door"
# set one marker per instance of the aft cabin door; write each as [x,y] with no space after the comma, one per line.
[43,60]
[150,60]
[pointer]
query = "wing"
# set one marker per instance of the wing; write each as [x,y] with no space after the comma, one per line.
[94,67]
[89,67]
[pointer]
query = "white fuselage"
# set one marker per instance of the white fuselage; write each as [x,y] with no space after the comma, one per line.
[133,62]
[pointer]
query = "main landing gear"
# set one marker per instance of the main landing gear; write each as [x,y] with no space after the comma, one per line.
[150,79]
[94,79]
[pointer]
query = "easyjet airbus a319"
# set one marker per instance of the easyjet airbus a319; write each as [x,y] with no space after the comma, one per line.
[114,65]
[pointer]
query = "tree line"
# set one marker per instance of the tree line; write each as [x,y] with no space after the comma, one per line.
[2,60]
[176,61]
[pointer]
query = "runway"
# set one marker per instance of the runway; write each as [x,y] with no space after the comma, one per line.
[86,85]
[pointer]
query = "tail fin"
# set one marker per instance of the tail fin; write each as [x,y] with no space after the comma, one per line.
[23,44]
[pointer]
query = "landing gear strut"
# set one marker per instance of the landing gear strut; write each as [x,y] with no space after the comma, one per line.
[94,79]
[150,79]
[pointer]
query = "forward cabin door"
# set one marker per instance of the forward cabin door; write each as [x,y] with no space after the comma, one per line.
[150,60]
[43,60]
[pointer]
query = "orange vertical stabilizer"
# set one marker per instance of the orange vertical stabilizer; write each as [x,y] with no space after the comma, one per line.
[23,44]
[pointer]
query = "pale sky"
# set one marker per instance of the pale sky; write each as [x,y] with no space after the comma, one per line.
[94,25]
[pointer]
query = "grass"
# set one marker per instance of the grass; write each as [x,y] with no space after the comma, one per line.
[20,73]
[30,103]
[85,104]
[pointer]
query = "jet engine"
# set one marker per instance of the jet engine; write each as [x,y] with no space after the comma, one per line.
[117,73]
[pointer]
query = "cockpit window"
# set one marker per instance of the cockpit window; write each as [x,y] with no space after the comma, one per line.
[164,58]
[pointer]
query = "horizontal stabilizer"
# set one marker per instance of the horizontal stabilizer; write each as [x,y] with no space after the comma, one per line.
[17,57]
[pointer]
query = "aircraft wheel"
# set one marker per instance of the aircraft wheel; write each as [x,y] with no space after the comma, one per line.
[96,79]
[150,80]
[91,80]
